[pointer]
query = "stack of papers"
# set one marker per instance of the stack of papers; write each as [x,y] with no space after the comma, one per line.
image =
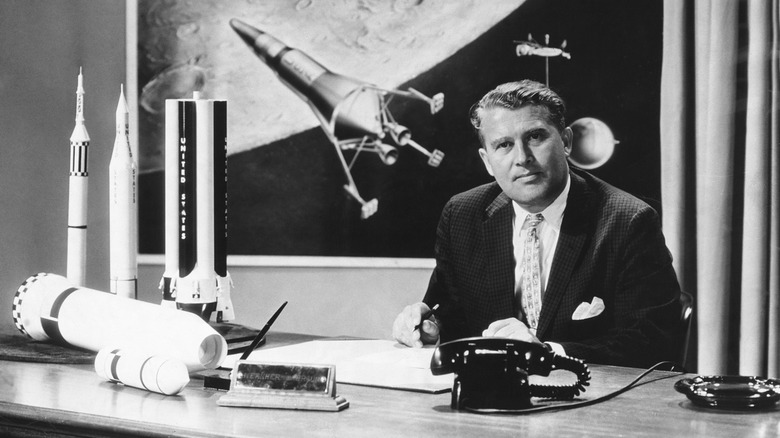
[380,363]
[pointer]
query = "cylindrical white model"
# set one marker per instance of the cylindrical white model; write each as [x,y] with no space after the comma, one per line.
[196,274]
[76,269]
[171,273]
[123,209]
[49,307]
[161,374]
[196,287]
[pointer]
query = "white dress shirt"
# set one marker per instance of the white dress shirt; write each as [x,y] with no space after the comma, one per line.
[548,230]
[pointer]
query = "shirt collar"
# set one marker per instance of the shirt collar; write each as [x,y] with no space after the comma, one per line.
[553,214]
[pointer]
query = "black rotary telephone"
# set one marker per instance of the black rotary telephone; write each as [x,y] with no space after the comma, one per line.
[492,373]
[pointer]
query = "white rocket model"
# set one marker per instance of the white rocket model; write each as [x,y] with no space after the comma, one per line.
[123,209]
[165,375]
[77,194]
[196,277]
[48,307]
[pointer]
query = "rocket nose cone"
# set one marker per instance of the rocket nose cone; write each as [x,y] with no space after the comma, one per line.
[247,33]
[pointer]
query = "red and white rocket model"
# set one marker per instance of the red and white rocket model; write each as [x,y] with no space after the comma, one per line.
[196,277]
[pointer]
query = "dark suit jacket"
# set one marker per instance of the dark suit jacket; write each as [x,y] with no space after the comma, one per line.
[611,246]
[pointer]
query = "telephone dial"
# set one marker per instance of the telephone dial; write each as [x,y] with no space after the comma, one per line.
[492,373]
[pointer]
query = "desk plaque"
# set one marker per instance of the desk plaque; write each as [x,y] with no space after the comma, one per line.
[283,386]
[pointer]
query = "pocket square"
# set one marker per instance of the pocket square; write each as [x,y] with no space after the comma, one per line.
[588,310]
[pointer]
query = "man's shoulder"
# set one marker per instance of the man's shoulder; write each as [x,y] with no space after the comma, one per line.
[477,198]
[608,198]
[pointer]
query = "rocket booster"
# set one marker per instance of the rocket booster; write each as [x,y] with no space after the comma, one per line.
[123,209]
[171,272]
[196,277]
[48,307]
[77,193]
[343,103]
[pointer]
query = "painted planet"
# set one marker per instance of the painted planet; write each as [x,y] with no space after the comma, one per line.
[593,143]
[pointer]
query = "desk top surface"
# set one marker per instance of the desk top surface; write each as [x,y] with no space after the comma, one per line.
[74,399]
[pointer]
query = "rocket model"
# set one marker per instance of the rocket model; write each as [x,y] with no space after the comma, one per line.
[77,194]
[48,307]
[161,374]
[196,277]
[123,209]
[352,113]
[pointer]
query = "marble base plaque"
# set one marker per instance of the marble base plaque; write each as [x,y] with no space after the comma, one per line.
[283,386]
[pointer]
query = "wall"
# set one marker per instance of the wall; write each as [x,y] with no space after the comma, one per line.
[42,46]
[325,300]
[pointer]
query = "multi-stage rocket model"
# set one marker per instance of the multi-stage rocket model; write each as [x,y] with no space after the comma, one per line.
[123,208]
[196,277]
[352,113]
[77,194]
[48,307]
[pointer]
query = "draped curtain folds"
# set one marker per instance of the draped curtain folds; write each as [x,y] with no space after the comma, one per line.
[720,176]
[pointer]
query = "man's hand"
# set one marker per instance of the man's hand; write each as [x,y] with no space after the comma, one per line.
[510,328]
[405,327]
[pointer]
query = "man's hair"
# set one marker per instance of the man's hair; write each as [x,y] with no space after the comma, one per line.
[514,95]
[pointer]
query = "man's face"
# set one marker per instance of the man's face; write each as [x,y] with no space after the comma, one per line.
[526,154]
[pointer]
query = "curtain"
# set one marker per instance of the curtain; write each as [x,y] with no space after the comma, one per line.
[720,176]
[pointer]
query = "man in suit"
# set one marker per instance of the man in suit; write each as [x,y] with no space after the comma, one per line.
[547,253]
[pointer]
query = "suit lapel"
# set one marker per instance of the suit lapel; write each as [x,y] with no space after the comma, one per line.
[499,261]
[571,243]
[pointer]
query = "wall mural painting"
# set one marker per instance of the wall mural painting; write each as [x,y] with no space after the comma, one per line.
[347,119]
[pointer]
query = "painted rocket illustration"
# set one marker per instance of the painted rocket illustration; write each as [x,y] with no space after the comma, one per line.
[353,114]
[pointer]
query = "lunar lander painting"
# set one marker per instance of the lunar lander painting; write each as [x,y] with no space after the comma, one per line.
[300,182]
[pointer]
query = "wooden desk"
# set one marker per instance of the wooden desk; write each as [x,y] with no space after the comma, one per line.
[72,400]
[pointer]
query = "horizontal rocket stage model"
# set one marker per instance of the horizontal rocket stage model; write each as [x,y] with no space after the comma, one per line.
[352,113]
[48,307]
[196,277]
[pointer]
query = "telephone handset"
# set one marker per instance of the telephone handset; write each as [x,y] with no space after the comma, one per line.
[492,373]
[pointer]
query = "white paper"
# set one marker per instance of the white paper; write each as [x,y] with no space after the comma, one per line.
[380,363]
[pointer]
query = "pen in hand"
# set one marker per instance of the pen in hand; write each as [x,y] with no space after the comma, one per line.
[426,316]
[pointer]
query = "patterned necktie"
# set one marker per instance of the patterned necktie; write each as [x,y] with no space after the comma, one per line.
[531,284]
